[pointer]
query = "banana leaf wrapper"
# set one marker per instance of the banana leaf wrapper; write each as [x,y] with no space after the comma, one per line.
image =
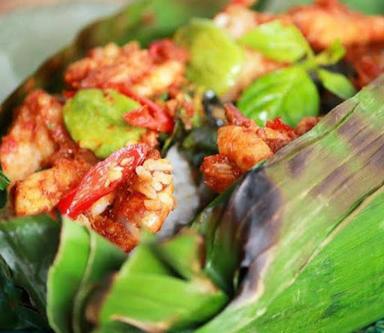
[305,226]
[303,217]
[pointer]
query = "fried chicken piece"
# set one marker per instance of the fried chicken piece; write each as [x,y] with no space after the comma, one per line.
[30,142]
[276,134]
[219,172]
[242,145]
[41,191]
[147,72]
[328,20]
[237,19]
[368,62]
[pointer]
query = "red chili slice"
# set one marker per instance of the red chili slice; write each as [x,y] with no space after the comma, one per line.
[150,116]
[103,179]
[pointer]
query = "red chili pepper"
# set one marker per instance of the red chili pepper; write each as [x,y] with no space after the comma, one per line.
[103,179]
[150,116]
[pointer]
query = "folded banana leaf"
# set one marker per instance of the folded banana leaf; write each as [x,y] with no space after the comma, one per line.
[306,228]
[309,219]
[27,249]
[84,259]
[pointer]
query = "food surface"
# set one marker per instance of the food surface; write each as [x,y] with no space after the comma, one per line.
[252,122]
[131,97]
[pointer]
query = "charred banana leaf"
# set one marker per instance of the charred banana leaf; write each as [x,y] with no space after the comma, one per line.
[311,222]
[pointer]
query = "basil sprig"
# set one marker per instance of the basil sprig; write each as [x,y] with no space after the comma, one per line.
[290,92]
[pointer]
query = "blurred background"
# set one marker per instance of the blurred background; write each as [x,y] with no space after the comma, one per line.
[32,30]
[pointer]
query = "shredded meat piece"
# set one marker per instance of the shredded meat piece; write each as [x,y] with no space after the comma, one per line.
[237,19]
[242,144]
[147,72]
[38,140]
[368,61]
[41,191]
[235,117]
[276,134]
[219,172]
[328,20]
[32,138]
[117,233]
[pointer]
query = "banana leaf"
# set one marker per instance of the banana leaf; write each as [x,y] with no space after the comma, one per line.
[162,286]
[82,261]
[15,311]
[293,214]
[28,246]
[290,213]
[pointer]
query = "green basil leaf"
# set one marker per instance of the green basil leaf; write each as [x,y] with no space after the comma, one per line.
[215,59]
[336,83]
[331,55]
[28,246]
[277,41]
[288,93]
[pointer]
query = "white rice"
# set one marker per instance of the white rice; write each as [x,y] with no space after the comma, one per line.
[187,199]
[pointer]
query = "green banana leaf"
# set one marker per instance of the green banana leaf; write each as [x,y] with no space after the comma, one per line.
[298,224]
[339,162]
[162,286]
[291,209]
[15,312]
[84,259]
[28,246]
